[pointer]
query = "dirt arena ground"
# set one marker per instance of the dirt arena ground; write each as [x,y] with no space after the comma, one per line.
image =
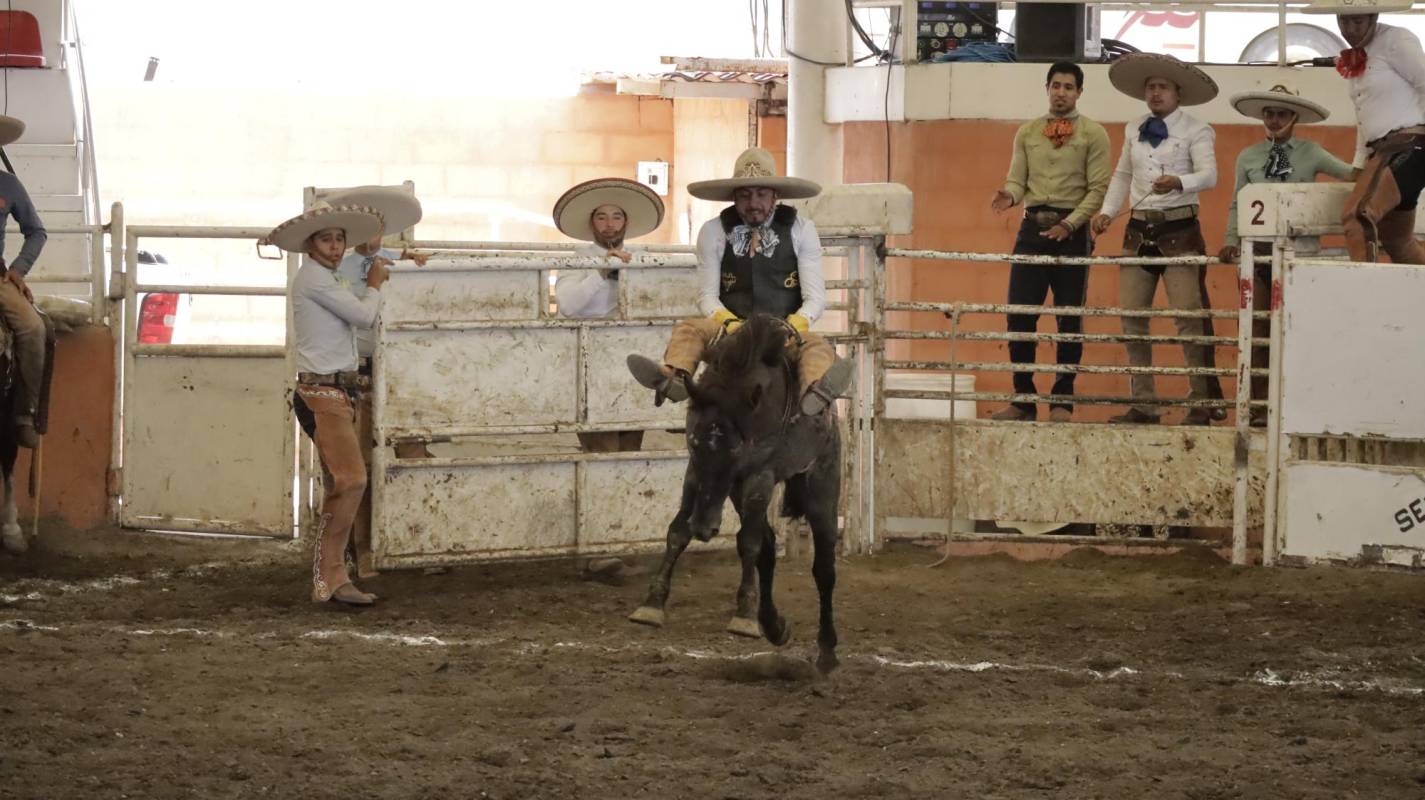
[143,666]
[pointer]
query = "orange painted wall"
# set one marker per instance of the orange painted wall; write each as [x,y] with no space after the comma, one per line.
[75,451]
[954,168]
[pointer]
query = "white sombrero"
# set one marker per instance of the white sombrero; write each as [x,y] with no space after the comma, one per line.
[1279,96]
[359,222]
[1129,73]
[754,168]
[398,207]
[1346,8]
[10,129]
[640,204]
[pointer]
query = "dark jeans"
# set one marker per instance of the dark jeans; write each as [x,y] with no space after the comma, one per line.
[1029,284]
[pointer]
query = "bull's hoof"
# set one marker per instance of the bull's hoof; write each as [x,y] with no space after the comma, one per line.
[744,627]
[12,538]
[647,615]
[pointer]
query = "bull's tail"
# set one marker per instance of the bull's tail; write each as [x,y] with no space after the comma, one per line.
[794,498]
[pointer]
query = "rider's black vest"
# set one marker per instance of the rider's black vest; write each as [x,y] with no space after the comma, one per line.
[764,282]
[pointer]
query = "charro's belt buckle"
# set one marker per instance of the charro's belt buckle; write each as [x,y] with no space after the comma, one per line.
[1047,218]
[1155,217]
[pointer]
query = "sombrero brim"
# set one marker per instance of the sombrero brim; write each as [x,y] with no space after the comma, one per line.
[1129,73]
[1346,9]
[359,222]
[399,208]
[786,188]
[641,205]
[1251,104]
[11,129]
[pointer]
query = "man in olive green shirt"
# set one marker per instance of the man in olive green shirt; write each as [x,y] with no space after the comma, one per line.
[1279,158]
[1060,171]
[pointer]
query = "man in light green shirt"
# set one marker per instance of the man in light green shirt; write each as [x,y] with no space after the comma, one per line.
[1281,158]
[1060,172]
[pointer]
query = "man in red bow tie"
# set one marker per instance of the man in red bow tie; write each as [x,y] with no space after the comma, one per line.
[1060,171]
[1385,71]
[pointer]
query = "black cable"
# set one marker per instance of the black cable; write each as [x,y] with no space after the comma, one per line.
[861,32]
[986,22]
[10,8]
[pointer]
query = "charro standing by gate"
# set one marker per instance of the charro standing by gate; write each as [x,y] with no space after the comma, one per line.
[16,301]
[1280,158]
[401,211]
[1385,71]
[603,213]
[756,257]
[1060,172]
[1167,160]
[327,316]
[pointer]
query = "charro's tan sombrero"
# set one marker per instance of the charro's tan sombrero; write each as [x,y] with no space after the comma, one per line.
[359,222]
[1279,96]
[10,129]
[641,205]
[1346,8]
[1129,73]
[398,207]
[754,168]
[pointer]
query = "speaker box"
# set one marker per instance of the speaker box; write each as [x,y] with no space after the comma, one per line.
[1052,31]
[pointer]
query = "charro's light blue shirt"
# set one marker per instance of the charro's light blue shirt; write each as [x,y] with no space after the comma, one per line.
[352,271]
[327,314]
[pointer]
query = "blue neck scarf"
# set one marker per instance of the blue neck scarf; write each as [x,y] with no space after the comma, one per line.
[1153,131]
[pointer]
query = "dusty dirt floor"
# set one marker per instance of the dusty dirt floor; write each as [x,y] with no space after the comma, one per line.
[145,666]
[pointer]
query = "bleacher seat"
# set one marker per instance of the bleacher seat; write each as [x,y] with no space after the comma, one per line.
[20,44]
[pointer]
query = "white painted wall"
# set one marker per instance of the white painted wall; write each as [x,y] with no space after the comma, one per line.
[1016,92]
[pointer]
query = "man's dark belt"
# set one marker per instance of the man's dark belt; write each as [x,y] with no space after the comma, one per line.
[1159,216]
[1047,216]
[1397,140]
[341,380]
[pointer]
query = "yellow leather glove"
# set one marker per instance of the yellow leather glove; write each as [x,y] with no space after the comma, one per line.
[799,322]
[727,320]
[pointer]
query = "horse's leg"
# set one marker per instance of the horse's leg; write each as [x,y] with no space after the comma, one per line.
[751,499]
[774,625]
[679,535]
[823,500]
[12,536]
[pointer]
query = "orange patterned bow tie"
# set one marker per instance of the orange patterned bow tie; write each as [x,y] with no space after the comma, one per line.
[1058,130]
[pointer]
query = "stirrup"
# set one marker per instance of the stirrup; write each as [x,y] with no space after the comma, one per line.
[827,388]
[649,373]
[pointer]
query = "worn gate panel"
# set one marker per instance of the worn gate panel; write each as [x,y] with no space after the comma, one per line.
[208,445]
[445,379]
[460,296]
[1328,387]
[455,514]
[1061,473]
[1355,513]
[612,393]
[661,293]
[625,506]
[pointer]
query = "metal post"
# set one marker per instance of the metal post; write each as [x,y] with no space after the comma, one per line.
[1242,442]
[1281,34]
[816,29]
[1282,254]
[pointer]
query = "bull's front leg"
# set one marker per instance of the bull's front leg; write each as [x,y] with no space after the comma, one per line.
[750,498]
[679,535]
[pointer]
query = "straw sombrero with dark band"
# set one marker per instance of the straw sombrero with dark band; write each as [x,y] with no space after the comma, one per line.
[359,222]
[641,206]
[1252,104]
[1129,74]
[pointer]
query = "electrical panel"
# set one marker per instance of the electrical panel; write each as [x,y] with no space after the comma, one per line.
[945,26]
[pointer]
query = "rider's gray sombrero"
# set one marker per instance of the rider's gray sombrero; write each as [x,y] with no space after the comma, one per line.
[1129,73]
[1346,8]
[10,129]
[359,222]
[754,168]
[1279,96]
[641,206]
[398,207]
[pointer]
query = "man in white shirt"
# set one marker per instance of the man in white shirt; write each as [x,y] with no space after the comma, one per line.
[756,257]
[1167,160]
[1385,73]
[326,316]
[603,213]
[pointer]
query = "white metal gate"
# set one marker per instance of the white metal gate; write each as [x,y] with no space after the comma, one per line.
[206,429]
[471,356]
